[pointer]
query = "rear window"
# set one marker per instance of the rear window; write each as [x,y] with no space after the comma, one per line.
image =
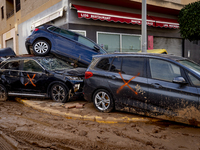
[104,64]
[12,65]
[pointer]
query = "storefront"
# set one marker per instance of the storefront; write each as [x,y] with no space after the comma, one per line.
[118,29]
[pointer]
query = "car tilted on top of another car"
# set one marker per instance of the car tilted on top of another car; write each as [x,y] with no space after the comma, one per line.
[40,77]
[65,44]
[158,85]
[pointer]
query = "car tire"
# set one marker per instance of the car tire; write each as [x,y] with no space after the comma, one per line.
[103,100]
[59,92]
[3,93]
[41,48]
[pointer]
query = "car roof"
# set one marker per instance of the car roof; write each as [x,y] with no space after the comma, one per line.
[7,52]
[153,55]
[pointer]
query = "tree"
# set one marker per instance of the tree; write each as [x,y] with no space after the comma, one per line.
[189,21]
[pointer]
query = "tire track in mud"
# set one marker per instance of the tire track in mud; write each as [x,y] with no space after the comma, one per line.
[60,141]
[5,144]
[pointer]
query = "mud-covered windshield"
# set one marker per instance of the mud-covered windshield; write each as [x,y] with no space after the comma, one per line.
[191,65]
[54,64]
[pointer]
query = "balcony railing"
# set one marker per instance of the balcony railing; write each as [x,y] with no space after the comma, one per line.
[9,14]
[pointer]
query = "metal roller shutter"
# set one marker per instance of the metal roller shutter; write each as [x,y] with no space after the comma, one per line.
[172,45]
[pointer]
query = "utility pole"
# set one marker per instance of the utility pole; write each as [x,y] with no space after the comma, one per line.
[144,26]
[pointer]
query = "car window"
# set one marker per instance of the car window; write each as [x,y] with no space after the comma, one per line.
[163,70]
[191,65]
[116,65]
[32,66]
[54,29]
[69,34]
[194,80]
[104,64]
[86,42]
[14,65]
[133,66]
[54,64]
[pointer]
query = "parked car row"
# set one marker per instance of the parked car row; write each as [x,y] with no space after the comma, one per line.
[144,83]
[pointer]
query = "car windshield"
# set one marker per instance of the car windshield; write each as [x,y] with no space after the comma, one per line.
[54,64]
[191,65]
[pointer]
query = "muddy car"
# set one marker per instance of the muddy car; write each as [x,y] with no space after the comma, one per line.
[67,45]
[45,77]
[156,85]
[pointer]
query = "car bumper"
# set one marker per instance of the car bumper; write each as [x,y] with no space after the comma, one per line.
[88,92]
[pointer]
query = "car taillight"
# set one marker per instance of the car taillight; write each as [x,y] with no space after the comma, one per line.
[88,74]
[36,29]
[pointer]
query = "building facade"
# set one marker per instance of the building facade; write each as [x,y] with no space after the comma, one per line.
[113,24]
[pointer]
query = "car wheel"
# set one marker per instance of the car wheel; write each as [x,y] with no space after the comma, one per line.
[59,92]
[41,48]
[103,100]
[3,93]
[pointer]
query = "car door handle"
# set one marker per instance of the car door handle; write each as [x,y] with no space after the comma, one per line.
[156,85]
[112,77]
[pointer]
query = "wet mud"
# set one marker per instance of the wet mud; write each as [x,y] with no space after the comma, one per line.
[22,128]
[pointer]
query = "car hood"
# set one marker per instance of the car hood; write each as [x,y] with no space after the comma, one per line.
[80,72]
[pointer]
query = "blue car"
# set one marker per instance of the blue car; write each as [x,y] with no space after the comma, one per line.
[62,43]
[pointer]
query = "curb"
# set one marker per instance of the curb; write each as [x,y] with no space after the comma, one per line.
[99,119]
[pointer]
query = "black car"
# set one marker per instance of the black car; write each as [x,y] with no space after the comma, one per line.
[159,85]
[40,77]
[6,53]
[63,43]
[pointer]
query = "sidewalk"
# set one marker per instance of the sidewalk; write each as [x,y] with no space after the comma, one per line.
[83,110]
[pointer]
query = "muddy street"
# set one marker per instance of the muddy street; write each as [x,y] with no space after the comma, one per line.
[22,127]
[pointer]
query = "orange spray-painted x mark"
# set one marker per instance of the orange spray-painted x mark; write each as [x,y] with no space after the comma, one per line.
[30,80]
[126,83]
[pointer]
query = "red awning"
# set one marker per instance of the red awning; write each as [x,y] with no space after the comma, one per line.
[111,15]
[166,22]
[123,17]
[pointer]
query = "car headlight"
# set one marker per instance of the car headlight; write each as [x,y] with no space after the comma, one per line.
[76,87]
[74,78]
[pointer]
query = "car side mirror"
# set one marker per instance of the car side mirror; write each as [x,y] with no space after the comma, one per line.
[96,48]
[179,80]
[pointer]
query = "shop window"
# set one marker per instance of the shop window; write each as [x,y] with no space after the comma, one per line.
[2,12]
[131,43]
[17,3]
[109,42]
[116,42]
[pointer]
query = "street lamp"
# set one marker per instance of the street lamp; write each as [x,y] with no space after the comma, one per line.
[144,26]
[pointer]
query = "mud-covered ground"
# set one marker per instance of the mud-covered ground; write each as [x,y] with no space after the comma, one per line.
[22,127]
